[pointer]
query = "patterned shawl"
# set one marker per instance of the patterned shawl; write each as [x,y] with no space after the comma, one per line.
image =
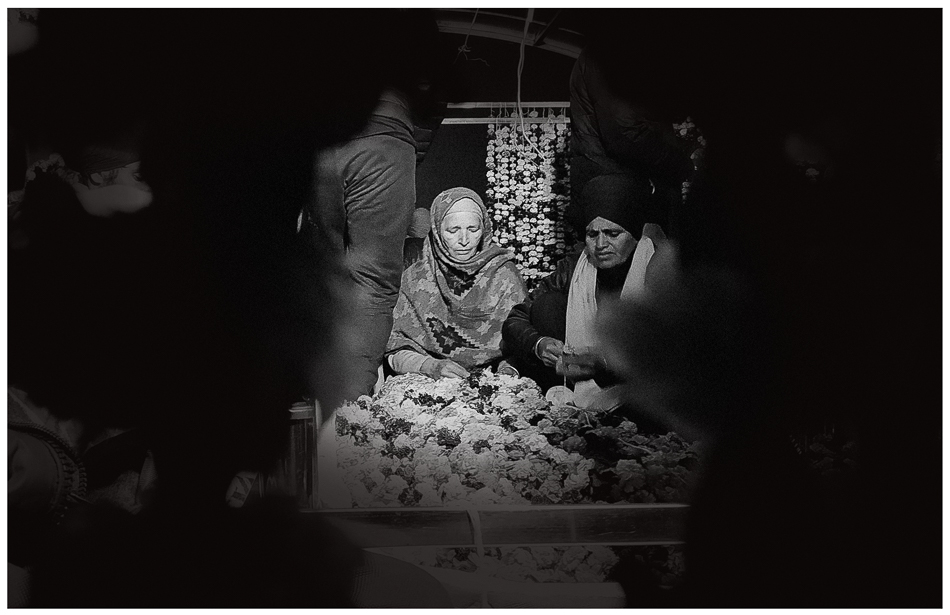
[452,309]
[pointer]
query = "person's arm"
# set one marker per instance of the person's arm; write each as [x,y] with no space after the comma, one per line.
[584,137]
[615,130]
[588,366]
[410,361]
[406,361]
[520,338]
[379,200]
[518,335]
[638,142]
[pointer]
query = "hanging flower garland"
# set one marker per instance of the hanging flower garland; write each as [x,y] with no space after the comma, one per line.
[687,131]
[528,191]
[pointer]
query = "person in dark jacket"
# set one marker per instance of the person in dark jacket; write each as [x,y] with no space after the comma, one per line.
[364,197]
[614,133]
[550,337]
[365,192]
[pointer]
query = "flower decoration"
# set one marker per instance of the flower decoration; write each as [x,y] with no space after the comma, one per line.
[689,132]
[55,165]
[495,439]
[528,168]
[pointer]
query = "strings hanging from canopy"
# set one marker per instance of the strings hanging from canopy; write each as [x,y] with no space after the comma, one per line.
[507,113]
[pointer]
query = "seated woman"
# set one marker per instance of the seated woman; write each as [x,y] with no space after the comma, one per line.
[454,299]
[550,336]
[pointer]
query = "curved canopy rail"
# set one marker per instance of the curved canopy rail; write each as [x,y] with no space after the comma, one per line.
[544,30]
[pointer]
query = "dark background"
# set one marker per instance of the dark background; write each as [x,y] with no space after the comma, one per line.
[455,158]
[858,271]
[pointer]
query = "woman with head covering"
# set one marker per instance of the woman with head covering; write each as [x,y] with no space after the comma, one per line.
[550,336]
[454,299]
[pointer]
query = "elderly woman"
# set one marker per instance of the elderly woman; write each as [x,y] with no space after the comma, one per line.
[454,299]
[550,336]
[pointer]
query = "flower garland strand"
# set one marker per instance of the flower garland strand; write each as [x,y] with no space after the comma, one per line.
[528,190]
[693,136]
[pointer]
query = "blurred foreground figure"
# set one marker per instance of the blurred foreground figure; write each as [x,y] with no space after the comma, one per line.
[201,318]
[365,191]
[785,303]
[69,291]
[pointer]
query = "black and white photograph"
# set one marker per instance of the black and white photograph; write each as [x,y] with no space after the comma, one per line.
[417,307]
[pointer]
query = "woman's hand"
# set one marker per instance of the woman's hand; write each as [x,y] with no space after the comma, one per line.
[505,368]
[550,350]
[583,366]
[443,368]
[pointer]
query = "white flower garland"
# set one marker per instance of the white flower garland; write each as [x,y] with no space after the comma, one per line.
[490,439]
[528,191]
[451,442]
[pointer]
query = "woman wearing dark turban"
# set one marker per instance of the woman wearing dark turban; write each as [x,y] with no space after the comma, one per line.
[453,301]
[558,319]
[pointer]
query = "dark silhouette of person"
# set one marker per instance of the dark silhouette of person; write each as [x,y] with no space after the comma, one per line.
[771,312]
[364,194]
[201,318]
